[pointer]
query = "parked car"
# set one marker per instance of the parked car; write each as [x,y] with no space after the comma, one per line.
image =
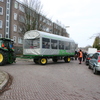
[94,63]
[88,57]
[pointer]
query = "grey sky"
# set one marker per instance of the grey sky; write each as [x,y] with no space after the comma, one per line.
[83,17]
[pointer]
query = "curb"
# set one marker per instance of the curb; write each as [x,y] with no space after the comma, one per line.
[5,79]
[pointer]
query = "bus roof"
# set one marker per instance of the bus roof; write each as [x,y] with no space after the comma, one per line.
[37,34]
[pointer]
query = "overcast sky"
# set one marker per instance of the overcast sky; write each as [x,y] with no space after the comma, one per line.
[83,17]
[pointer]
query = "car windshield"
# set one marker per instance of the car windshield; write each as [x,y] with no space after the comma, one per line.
[89,55]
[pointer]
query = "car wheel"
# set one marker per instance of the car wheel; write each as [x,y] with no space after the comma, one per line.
[95,71]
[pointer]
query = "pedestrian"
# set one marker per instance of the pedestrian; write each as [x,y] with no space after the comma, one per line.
[80,55]
[76,53]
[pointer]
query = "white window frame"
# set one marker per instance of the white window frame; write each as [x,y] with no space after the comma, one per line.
[0,35]
[20,40]
[8,5]
[15,28]
[14,39]
[1,0]
[1,13]
[16,5]
[19,29]
[40,18]
[21,8]
[15,16]
[21,19]
[1,23]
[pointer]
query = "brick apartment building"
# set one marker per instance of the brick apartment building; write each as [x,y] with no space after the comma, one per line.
[11,12]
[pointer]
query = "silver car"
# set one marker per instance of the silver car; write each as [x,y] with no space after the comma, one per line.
[94,63]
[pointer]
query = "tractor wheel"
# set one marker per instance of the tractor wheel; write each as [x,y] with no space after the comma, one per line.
[12,58]
[67,59]
[43,61]
[3,58]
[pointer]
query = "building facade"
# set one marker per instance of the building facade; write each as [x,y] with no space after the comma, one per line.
[12,13]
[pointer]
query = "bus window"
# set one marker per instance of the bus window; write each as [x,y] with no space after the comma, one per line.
[53,44]
[31,43]
[46,43]
[72,45]
[67,45]
[61,45]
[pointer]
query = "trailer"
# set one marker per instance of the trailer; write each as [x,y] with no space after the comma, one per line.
[41,46]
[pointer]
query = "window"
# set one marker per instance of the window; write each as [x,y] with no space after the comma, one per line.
[7,30]
[21,8]
[0,23]
[32,43]
[0,35]
[7,11]
[15,28]
[53,44]
[16,5]
[95,56]
[14,39]
[7,36]
[45,43]
[21,18]
[72,45]
[67,45]
[7,17]
[1,11]
[19,29]
[61,45]
[8,6]
[1,0]
[7,23]
[40,18]
[15,16]
[7,0]
[20,40]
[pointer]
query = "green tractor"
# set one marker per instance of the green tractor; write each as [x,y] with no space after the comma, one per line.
[7,54]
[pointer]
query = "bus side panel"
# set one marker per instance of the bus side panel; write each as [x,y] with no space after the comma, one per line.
[31,51]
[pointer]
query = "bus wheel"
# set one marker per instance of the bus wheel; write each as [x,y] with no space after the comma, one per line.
[43,61]
[67,59]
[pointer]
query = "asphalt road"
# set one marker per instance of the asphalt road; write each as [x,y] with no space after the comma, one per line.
[54,81]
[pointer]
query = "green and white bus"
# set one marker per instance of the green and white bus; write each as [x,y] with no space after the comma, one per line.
[42,46]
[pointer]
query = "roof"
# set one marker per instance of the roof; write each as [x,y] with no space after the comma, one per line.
[36,34]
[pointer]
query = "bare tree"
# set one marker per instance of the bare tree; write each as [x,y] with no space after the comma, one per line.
[32,11]
[96,43]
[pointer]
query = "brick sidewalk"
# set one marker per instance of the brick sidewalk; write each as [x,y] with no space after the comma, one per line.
[4,77]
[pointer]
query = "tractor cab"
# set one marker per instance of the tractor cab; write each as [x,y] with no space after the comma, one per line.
[7,54]
[6,44]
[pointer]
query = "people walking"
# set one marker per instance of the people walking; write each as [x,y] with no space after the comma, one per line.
[80,55]
[76,53]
